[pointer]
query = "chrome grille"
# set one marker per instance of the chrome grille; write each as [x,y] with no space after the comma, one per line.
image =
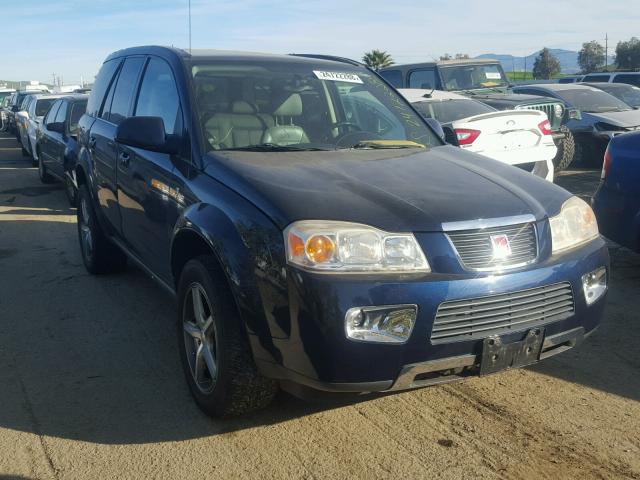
[475,249]
[498,314]
[549,109]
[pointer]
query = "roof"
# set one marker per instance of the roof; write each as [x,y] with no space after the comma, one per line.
[607,85]
[212,54]
[414,95]
[442,63]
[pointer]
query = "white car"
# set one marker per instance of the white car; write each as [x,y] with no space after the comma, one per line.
[516,137]
[36,109]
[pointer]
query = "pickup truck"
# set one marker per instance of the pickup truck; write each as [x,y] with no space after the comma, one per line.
[317,232]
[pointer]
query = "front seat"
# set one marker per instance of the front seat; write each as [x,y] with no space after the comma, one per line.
[283,133]
[242,127]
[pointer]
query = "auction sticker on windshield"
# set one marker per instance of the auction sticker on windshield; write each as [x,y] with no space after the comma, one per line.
[338,76]
[493,75]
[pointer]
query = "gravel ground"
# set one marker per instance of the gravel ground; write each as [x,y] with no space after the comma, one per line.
[91,387]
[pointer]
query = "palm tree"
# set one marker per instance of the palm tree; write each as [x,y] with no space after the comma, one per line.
[377,59]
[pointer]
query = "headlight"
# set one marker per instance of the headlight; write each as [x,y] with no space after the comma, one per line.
[328,246]
[558,110]
[576,224]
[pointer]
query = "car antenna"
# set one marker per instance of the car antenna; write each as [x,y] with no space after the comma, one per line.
[189,27]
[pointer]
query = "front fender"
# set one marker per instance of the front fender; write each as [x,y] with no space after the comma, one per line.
[250,250]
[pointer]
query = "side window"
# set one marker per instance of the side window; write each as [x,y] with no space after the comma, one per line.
[125,89]
[61,116]
[394,77]
[77,110]
[596,78]
[626,78]
[422,79]
[103,80]
[51,115]
[159,96]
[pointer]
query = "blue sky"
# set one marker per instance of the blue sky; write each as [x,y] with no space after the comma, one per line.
[72,37]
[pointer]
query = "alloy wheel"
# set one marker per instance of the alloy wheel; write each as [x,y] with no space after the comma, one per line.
[200,338]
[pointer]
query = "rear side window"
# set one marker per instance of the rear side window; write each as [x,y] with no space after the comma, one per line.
[626,78]
[103,80]
[596,78]
[422,79]
[394,77]
[43,106]
[159,96]
[61,116]
[125,89]
[50,118]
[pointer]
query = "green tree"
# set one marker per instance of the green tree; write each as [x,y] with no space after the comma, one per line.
[628,54]
[377,59]
[591,57]
[545,65]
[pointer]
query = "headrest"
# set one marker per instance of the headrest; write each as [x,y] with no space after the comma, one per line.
[291,107]
[241,106]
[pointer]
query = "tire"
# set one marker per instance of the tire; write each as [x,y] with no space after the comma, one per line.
[98,253]
[42,172]
[217,340]
[566,150]
[70,191]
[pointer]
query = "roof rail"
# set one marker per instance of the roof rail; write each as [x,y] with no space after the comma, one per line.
[329,57]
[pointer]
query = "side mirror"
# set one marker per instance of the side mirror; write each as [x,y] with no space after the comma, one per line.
[146,133]
[15,109]
[575,114]
[57,127]
[436,127]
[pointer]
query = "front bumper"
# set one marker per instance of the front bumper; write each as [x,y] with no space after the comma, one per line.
[312,349]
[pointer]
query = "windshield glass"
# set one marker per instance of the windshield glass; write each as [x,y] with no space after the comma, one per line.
[43,105]
[469,77]
[628,94]
[592,101]
[451,110]
[291,105]
[4,95]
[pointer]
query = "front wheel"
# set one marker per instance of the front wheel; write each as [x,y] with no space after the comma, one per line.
[98,253]
[42,172]
[566,150]
[216,358]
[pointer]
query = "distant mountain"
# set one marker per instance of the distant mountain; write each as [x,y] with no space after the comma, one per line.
[568,60]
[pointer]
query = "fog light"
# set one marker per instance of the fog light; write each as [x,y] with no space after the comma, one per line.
[388,324]
[594,285]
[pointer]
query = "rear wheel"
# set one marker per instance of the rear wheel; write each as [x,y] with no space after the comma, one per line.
[98,253]
[216,358]
[566,150]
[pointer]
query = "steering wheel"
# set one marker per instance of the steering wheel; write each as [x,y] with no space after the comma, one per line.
[349,126]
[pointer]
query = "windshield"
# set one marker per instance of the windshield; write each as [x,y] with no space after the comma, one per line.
[447,111]
[43,105]
[592,100]
[4,95]
[470,77]
[294,106]
[628,94]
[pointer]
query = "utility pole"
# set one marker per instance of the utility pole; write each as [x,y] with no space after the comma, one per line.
[606,52]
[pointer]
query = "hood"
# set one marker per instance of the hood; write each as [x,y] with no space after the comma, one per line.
[395,190]
[629,118]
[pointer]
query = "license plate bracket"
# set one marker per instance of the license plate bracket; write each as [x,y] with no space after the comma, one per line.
[497,356]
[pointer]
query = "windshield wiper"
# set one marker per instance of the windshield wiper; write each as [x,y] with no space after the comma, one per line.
[385,144]
[274,147]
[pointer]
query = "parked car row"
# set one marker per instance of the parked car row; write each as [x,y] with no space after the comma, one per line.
[584,117]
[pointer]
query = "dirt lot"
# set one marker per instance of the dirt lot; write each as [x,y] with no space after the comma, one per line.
[91,387]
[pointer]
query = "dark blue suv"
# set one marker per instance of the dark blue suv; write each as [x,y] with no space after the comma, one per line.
[318,234]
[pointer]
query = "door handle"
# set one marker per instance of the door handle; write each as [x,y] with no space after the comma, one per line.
[124,159]
[92,143]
